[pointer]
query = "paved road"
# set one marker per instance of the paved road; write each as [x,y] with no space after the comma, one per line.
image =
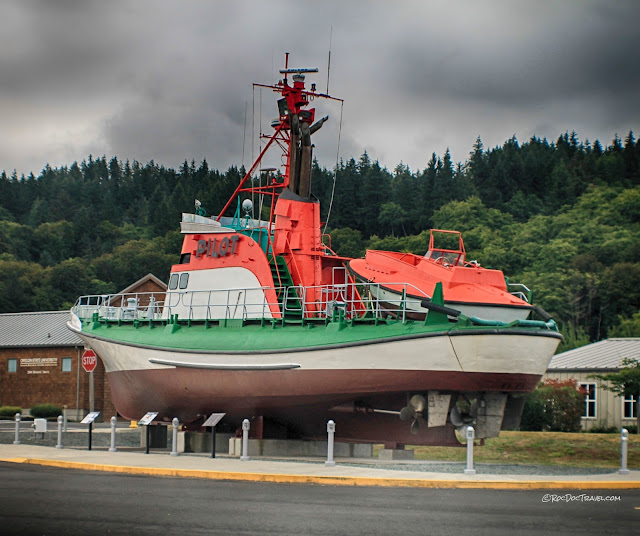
[48,501]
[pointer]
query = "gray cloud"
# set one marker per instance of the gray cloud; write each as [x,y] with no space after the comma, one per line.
[171,81]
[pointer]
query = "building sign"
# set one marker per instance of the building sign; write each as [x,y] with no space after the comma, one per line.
[34,364]
[39,362]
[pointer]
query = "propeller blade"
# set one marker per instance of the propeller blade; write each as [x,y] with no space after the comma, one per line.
[415,427]
[456,417]
[418,403]
[406,413]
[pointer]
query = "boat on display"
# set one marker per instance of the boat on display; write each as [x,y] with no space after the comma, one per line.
[468,287]
[262,320]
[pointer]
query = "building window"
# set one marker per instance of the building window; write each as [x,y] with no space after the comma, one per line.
[589,400]
[13,365]
[629,410]
[66,364]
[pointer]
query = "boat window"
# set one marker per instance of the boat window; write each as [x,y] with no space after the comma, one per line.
[184,280]
[185,258]
[173,282]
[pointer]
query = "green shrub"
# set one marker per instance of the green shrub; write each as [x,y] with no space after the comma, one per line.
[555,406]
[602,428]
[9,411]
[45,411]
[534,415]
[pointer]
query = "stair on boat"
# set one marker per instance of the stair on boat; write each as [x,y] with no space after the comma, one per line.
[286,290]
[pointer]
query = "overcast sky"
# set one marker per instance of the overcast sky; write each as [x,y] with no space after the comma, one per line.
[172,80]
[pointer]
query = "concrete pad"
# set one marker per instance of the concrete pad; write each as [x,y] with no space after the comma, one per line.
[395,454]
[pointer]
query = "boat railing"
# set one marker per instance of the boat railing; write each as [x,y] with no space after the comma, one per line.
[349,300]
[519,291]
[139,305]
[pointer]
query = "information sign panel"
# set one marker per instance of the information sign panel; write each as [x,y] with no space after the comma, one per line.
[90,417]
[213,419]
[148,417]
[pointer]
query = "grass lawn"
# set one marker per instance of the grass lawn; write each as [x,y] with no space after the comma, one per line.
[542,448]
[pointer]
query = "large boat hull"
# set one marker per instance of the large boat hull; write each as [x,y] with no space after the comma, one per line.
[301,387]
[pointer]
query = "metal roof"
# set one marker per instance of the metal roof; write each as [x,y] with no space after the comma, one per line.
[148,277]
[607,354]
[23,330]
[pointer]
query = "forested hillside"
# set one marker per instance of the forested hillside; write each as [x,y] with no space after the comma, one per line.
[562,218]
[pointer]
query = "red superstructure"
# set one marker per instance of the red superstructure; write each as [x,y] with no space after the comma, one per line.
[294,230]
[467,286]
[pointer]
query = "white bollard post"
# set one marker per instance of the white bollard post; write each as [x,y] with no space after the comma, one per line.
[245,440]
[331,430]
[174,442]
[17,439]
[624,445]
[470,436]
[60,419]
[112,448]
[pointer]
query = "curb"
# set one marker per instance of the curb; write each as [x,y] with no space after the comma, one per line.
[332,480]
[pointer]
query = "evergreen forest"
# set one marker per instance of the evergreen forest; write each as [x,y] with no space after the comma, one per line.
[561,217]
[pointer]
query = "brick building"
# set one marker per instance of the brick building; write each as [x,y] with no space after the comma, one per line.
[40,361]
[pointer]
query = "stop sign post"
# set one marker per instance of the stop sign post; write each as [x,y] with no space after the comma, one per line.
[89,360]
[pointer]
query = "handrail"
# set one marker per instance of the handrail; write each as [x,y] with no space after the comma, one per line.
[252,303]
[222,304]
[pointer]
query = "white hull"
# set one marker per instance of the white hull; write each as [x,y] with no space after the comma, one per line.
[469,352]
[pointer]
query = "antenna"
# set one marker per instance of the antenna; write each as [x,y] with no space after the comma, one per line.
[329,60]
[244,132]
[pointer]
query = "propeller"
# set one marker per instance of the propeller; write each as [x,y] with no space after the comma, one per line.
[461,418]
[413,411]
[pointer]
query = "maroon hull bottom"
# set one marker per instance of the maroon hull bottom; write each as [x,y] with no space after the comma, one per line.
[302,401]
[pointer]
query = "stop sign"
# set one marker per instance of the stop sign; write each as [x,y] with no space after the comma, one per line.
[89,360]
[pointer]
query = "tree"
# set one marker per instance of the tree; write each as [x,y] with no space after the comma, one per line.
[625,382]
[392,216]
[347,242]
[627,327]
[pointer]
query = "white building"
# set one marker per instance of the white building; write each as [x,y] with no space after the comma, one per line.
[602,408]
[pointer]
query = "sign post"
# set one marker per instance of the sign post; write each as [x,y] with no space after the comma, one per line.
[146,421]
[89,418]
[212,421]
[89,362]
